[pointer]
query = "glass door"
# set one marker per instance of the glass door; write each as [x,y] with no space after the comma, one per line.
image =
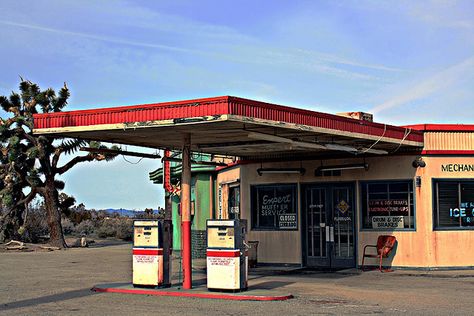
[329,226]
[316,230]
[342,220]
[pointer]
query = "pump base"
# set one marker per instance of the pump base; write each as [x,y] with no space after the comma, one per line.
[228,290]
[197,292]
[145,286]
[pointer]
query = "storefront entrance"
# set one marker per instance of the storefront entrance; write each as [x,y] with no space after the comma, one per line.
[328,214]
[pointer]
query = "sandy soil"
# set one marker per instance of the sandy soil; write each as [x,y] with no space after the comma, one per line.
[59,282]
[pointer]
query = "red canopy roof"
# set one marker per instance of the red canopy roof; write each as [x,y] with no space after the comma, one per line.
[236,117]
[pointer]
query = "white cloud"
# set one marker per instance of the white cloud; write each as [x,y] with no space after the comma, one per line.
[338,60]
[434,84]
[446,14]
[101,38]
[232,46]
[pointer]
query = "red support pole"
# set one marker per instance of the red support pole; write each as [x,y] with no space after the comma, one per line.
[186,212]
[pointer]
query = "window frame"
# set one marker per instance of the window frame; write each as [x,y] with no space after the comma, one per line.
[233,186]
[434,205]
[361,206]
[253,219]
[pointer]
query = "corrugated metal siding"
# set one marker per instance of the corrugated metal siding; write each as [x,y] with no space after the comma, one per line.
[149,112]
[219,106]
[449,141]
[266,111]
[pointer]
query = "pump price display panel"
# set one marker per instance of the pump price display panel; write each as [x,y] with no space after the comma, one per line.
[274,207]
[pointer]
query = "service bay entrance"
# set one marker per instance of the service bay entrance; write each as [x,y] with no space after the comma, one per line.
[328,210]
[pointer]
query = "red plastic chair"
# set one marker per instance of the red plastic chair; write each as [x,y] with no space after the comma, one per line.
[384,246]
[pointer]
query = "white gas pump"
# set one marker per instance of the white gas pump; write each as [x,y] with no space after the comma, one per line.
[227,261]
[152,253]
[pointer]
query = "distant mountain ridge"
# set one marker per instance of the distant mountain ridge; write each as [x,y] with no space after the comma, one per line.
[126,212]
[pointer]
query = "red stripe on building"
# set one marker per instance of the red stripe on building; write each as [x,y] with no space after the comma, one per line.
[148,252]
[226,254]
[443,127]
[449,152]
[221,106]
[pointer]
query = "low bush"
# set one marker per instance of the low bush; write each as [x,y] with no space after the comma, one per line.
[124,229]
[121,228]
[68,226]
[36,226]
[85,228]
[95,224]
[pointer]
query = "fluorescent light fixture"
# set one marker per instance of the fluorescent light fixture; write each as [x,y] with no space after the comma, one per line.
[302,144]
[342,167]
[356,150]
[268,137]
[261,171]
[341,147]
[307,145]
[374,151]
[279,139]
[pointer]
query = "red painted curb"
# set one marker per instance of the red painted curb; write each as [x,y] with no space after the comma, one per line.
[198,295]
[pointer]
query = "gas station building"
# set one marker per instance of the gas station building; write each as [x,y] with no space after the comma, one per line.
[315,188]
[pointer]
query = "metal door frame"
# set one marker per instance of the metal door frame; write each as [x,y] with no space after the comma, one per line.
[304,226]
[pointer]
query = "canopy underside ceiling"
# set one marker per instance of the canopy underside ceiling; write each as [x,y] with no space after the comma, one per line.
[241,137]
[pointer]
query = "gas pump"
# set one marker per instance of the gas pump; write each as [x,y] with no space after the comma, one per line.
[227,261]
[152,253]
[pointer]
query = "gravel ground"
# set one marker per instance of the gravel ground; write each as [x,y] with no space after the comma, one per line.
[59,282]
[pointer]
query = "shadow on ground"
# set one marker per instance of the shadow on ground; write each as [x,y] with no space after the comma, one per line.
[307,272]
[108,243]
[63,296]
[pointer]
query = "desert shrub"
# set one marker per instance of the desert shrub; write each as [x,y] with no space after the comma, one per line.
[68,226]
[85,228]
[124,229]
[36,225]
[80,216]
[106,228]
[143,215]
[120,227]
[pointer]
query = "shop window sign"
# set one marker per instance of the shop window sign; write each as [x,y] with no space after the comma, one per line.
[273,207]
[387,205]
[454,204]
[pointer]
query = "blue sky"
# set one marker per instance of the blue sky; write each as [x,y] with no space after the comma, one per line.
[405,61]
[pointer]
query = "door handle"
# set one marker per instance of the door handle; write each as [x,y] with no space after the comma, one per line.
[327,234]
[331,233]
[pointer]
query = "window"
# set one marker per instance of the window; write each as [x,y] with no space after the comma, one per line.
[453,204]
[388,205]
[234,202]
[273,207]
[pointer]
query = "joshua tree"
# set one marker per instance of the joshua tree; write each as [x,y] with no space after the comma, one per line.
[30,163]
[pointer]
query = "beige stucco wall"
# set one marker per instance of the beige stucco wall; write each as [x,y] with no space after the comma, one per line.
[444,248]
[286,247]
[421,248]
[274,246]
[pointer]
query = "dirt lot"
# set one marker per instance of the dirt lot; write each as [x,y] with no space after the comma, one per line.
[59,282]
